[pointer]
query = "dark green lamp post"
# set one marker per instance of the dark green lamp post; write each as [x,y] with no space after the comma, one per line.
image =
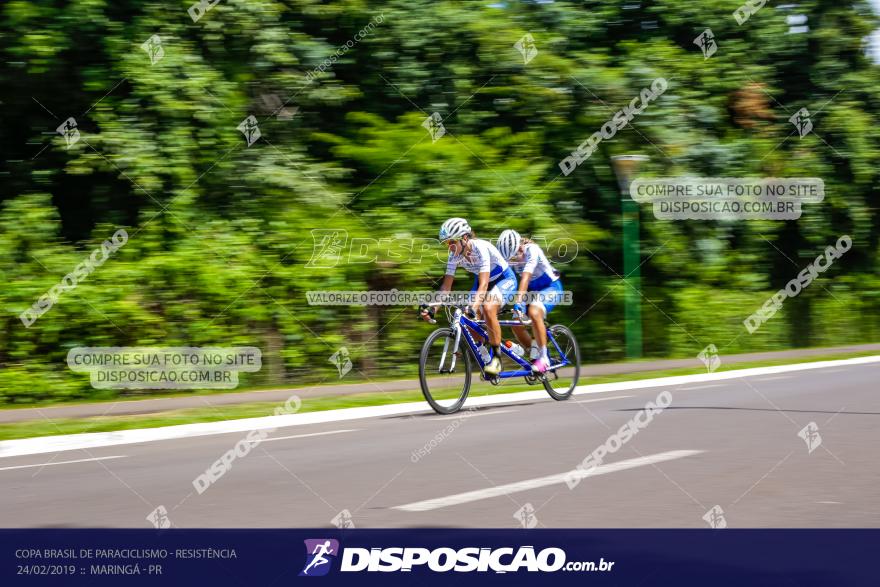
[625,167]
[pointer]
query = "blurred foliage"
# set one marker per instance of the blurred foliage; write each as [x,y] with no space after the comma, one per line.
[220,233]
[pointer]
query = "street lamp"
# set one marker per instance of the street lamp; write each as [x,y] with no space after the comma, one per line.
[625,167]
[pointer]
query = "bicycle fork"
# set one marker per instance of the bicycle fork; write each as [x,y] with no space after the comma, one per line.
[451,368]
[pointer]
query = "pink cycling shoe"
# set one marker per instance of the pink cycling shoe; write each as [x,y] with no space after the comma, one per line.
[540,365]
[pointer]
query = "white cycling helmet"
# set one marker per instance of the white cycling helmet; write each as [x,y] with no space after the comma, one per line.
[508,243]
[454,228]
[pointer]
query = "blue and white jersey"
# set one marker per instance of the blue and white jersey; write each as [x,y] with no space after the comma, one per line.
[482,257]
[534,261]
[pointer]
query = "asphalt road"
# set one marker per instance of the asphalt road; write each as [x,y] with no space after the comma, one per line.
[732,444]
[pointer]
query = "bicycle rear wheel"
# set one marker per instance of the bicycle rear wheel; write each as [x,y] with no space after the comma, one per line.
[560,383]
[445,387]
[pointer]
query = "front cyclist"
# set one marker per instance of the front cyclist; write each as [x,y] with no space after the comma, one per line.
[539,277]
[494,283]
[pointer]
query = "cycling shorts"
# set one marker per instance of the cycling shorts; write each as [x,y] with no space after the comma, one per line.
[549,297]
[503,288]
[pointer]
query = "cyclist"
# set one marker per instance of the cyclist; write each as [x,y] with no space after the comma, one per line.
[539,277]
[494,282]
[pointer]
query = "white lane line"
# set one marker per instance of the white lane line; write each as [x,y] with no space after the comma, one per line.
[600,399]
[52,463]
[775,378]
[528,484]
[52,444]
[710,386]
[465,416]
[308,435]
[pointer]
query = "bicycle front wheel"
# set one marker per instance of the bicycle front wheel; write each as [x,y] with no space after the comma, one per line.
[444,373]
[560,383]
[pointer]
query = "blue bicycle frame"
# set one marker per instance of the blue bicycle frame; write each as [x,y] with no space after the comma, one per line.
[461,324]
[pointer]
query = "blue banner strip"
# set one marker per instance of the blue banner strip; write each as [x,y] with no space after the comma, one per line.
[271,558]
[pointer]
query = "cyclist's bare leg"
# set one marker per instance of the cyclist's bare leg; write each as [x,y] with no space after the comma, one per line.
[522,335]
[536,313]
[490,314]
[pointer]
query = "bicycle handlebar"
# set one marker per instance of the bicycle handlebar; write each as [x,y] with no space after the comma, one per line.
[465,307]
[525,322]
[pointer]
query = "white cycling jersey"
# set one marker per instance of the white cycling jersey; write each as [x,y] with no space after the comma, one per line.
[534,261]
[483,256]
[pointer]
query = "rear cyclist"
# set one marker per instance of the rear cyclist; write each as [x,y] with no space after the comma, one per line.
[494,283]
[538,277]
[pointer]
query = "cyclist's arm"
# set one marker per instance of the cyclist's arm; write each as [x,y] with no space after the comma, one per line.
[531,262]
[523,285]
[482,276]
[446,285]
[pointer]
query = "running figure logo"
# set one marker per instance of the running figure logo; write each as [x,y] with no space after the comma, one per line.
[434,126]
[68,129]
[343,363]
[343,519]
[715,517]
[159,518]
[801,121]
[527,48]
[709,357]
[153,47]
[706,42]
[810,435]
[317,552]
[326,247]
[250,130]
[526,516]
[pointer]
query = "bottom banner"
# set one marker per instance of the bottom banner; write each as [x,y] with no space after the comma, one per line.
[439,557]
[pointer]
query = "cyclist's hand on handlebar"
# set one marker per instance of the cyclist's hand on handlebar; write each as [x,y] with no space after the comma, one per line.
[471,312]
[518,308]
[426,313]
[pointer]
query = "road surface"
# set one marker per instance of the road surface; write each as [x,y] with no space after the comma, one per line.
[731,447]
